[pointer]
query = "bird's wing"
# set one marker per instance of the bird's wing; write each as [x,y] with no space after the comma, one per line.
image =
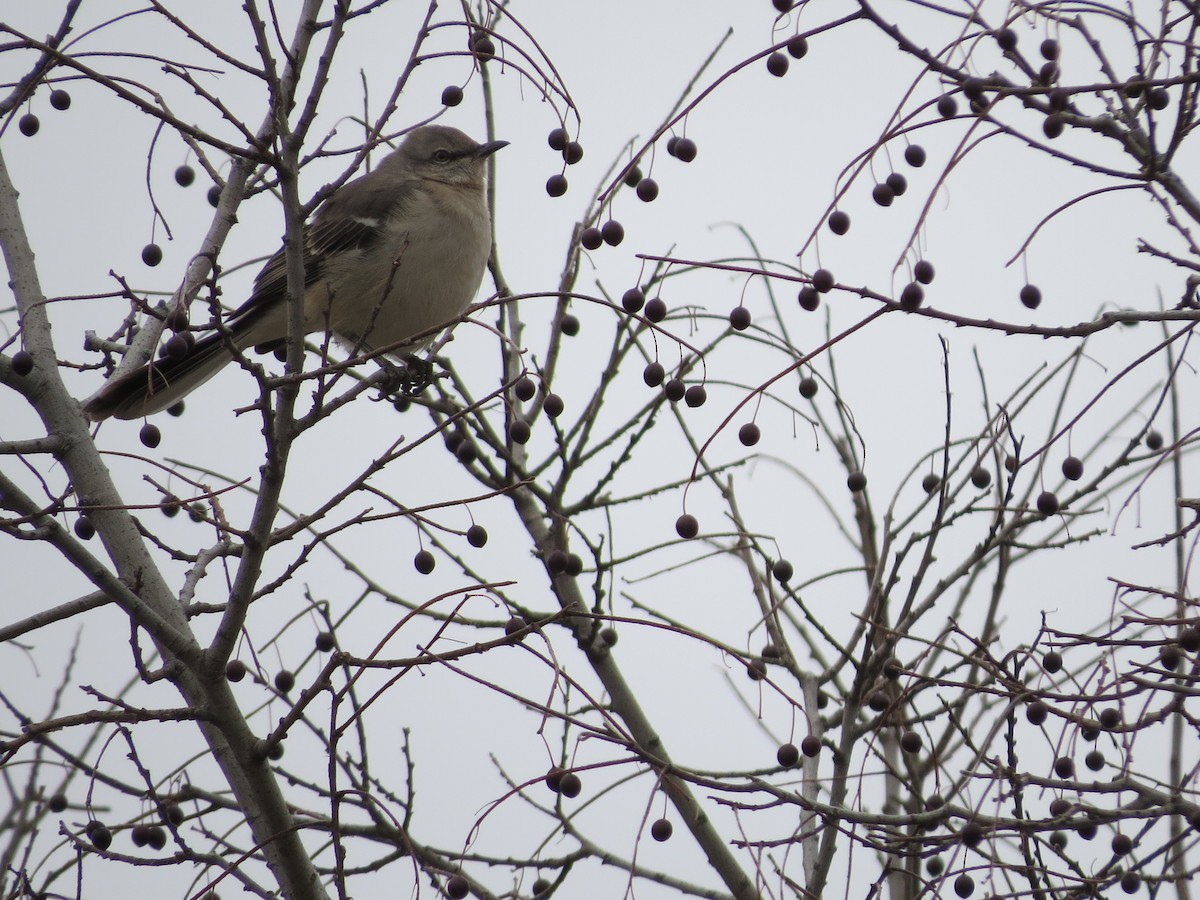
[353,219]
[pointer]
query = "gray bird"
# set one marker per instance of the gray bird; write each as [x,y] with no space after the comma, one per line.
[388,257]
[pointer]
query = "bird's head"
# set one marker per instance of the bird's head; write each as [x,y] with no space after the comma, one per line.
[444,154]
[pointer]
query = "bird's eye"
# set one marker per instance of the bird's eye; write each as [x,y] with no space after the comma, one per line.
[441,156]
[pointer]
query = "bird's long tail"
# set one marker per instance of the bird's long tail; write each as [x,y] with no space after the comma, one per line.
[162,382]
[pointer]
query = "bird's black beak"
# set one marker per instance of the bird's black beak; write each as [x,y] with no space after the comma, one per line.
[485,150]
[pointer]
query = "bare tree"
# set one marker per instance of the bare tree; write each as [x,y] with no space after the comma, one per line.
[932,729]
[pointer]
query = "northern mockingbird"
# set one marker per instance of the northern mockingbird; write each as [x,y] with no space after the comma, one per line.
[390,256]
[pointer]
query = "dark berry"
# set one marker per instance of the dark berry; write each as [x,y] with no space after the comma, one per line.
[632,177]
[284,681]
[1049,49]
[1131,882]
[1154,440]
[914,155]
[574,565]
[573,152]
[1086,829]
[1036,712]
[570,786]
[783,571]
[1047,503]
[29,124]
[810,746]
[675,390]
[520,431]
[513,625]
[777,64]
[787,755]
[923,271]
[22,363]
[797,47]
[687,526]
[609,636]
[214,196]
[974,89]
[1059,98]
[1189,639]
[1121,844]
[656,309]
[1110,718]
[185,175]
[981,477]
[1158,98]
[647,189]
[782,5]
[1094,760]
[685,150]
[235,670]
[633,300]
[947,106]
[883,194]
[556,185]
[672,144]
[912,297]
[1053,125]
[739,318]
[1048,73]
[591,238]
[525,388]
[822,280]
[839,221]
[808,387]
[557,139]
[541,887]
[809,298]
[150,435]
[749,434]
[972,834]
[424,562]
[324,641]
[457,887]
[60,99]
[84,529]
[1058,841]
[556,561]
[910,742]
[935,866]
[1064,767]
[57,803]
[695,396]
[613,232]
[898,183]
[1072,468]
[879,700]
[553,405]
[756,669]
[1170,657]
[964,885]
[661,830]
[1031,296]
[482,46]
[1007,39]
[152,254]
[452,95]
[654,374]
[477,535]
[930,483]
[1052,662]
[100,837]
[856,481]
